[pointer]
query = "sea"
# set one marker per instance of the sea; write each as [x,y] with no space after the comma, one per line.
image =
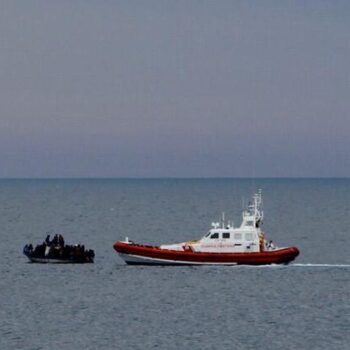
[110,305]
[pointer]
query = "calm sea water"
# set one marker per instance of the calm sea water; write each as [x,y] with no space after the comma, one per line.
[109,305]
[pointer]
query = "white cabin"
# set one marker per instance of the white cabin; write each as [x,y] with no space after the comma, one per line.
[225,238]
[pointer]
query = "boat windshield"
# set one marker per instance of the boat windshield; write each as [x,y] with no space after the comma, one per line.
[207,235]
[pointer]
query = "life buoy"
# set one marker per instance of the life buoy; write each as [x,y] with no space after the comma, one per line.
[187,248]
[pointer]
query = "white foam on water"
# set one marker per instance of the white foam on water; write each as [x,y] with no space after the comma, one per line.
[321,265]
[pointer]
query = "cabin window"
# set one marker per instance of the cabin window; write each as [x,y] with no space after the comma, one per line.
[249,223]
[238,236]
[248,236]
[214,235]
[226,235]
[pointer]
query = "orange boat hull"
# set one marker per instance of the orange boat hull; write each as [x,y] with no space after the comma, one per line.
[138,254]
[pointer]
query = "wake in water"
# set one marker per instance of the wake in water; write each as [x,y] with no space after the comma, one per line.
[294,265]
[321,265]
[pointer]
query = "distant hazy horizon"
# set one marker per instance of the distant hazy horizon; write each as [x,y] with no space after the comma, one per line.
[181,178]
[135,89]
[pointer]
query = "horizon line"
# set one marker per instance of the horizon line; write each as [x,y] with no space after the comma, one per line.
[176,178]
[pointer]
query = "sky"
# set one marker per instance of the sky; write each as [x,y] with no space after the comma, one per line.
[107,88]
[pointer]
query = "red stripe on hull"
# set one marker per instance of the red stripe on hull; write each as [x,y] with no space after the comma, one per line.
[280,256]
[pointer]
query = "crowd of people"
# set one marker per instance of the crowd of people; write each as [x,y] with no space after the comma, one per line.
[57,249]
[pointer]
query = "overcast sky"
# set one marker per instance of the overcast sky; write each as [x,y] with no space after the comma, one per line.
[100,88]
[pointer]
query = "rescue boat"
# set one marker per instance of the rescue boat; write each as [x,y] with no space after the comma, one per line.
[224,244]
